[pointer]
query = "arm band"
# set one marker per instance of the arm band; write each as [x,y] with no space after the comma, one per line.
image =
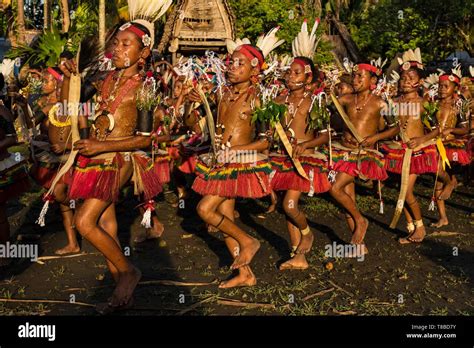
[84,133]
[144,122]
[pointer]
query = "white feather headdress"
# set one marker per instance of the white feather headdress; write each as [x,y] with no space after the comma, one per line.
[305,44]
[232,45]
[269,42]
[471,71]
[146,12]
[411,58]
[6,68]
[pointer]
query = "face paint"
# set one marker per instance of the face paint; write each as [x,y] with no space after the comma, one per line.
[236,63]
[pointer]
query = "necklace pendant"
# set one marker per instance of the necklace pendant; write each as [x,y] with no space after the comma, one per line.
[243,116]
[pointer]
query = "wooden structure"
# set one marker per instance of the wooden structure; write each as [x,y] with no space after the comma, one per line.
[195,26]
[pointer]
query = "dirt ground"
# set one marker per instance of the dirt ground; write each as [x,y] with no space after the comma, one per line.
[182,269]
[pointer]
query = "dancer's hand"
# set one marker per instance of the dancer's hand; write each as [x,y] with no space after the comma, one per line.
[369,141]
[415,142]
[194,96]
[446,132]
[298,149]
[68,67]
[89,147]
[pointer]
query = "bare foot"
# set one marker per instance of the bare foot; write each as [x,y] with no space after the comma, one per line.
[306,243]
[156,230]
[448,189]
[271,209]
[68,249]
[247,252]
[416,237]
[359,233]
[125,287]
[243,279]
[440,223]
[297,262]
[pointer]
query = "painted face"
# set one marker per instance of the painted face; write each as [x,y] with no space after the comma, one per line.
[240,68]
[126,49]
[446,89]
[296,78]
[361,80]
[49,83]
[409,81]
[343,88]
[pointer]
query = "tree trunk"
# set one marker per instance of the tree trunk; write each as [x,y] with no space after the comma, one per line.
[351,46]
[102,23]
[47,14]
[65,15]
[20,18]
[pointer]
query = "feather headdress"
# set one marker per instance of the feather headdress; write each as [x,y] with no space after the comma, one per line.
[305,44]
[410,59]
[269,41]
[146,13]
[454,76]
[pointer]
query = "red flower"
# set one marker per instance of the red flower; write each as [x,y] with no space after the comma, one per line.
[108,55]
[149,74]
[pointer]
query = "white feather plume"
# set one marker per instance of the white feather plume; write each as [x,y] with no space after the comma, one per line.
[471,71]
[6,68]
[305,44]
[410,56]
[146,12]
[269,42]
[232,45]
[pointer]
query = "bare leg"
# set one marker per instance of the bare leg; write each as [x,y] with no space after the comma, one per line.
[207,210]
[449,183]
[245,276]
[297,261]
[337,191]
[273,202]
[297,217]
[108,222]
[443,217]
[350,190]
[60,192]
[413,205]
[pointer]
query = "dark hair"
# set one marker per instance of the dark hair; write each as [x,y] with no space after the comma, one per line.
[66,54]
[314,70]
[2,81]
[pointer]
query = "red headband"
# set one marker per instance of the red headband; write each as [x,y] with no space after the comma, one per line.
[251,52]
[304,64]
[450,77]
[55,74]
[137,31]
[369,67]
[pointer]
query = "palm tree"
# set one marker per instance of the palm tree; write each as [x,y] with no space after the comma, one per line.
[21,22]
[65,15]
[102,23]
[47,14]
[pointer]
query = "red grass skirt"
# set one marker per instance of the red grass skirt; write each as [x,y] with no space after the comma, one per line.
[162,167]
[13,182]
[456,151]
[367,165]
[100,178]
[423,161]
[231,180]
[185,164]
[44,174]
[287,178]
